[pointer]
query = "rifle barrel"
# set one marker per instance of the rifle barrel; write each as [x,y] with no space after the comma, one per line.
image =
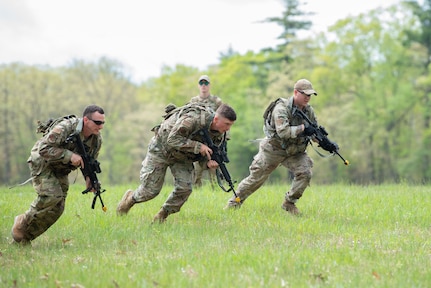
[346,162]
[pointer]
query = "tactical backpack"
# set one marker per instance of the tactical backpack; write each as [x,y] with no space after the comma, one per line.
[46,126]
[172,109]
[267,115]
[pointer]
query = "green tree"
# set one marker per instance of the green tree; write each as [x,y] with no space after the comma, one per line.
[292,20]
[362,71]
[176,85]
[105,83]
[419,40]
[27,93]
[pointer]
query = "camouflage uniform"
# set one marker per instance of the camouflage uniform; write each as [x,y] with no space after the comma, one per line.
[212,102]
[176,145]
[50,165]
[280,146]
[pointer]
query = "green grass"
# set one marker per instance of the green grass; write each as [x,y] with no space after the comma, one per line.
[346,236]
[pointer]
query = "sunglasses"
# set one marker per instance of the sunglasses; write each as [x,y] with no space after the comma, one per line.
[302,92]
[97,122]
[204,83]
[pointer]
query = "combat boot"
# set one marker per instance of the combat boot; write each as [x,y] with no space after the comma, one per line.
[18,231]
[126,203]
[161,216]
[290,207]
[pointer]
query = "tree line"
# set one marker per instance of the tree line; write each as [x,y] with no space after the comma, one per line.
[372,74]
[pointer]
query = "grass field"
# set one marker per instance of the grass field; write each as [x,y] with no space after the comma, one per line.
[346,236]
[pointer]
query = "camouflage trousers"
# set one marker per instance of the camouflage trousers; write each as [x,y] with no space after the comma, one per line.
[152,177]
[265,162]
[45,210]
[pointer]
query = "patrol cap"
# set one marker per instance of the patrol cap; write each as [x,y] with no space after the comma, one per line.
[204,77]
[305,86]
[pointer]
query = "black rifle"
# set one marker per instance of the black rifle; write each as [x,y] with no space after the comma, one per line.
[91,167]
[220,156]
[321,135]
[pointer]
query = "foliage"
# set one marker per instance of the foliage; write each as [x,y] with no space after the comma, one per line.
[32,94]
[371,72]
[292,20]
[366,62]
[371,236]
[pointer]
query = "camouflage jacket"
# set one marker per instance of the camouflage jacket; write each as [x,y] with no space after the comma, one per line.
[53,151]
[283,125]
[212,101]
[178,135]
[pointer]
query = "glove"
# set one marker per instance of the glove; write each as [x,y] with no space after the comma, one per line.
[329,145]
[309,130]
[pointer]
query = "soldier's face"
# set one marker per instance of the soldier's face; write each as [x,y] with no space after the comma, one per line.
[204,88]
[301,99]
[221,124]
[94,123]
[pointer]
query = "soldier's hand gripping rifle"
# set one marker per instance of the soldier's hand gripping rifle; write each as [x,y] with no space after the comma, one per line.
[91,167]
[220,156]
[321,135]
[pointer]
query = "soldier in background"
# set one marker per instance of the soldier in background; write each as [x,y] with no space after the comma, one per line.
[176,144]
[52,159]
[204,98]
